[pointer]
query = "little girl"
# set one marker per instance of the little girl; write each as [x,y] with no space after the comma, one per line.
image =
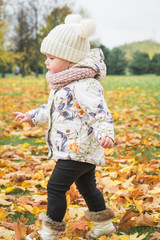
[80,125]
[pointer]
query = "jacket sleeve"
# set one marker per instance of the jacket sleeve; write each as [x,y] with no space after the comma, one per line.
[90,96]
[40,115]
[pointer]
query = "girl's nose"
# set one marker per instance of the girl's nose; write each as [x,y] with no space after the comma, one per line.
[46,62]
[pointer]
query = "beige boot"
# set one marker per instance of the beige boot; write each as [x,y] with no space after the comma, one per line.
[49,229]
[102,223]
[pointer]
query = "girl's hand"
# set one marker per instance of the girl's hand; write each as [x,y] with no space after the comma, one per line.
[23,117]
[20,116]
[106,142]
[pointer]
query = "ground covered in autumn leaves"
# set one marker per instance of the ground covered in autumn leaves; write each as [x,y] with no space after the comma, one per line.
[130,180]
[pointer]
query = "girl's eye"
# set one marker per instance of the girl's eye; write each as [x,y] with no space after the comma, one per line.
[51,58]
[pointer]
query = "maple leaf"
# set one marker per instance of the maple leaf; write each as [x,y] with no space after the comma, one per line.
[3,214]
[103,238]
[134,236]
[116,237]
[145,220]
[126,222]
[20,231]
[7,225]
[3,201]
[81,225]
[155,235]
[6,234]
[73,193]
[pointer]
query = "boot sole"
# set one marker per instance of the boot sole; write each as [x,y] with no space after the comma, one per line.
[112,231]
[108,233]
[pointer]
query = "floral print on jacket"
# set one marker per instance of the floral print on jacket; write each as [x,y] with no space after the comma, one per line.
[78,117]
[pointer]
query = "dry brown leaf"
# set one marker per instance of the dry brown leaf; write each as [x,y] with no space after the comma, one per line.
[80,225]
[20,231]
[126,221]
[145,220]
[155,235]
[6,234]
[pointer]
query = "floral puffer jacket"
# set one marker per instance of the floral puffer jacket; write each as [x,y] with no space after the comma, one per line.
[78,116]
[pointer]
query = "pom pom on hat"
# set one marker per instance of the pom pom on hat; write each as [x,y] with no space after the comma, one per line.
[73,18]
[86,28]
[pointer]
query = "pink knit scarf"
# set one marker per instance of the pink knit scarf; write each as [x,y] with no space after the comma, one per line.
[65,77]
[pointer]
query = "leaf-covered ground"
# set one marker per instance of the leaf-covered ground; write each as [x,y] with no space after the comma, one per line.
[130,180]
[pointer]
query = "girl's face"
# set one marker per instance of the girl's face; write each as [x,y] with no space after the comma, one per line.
[55,65]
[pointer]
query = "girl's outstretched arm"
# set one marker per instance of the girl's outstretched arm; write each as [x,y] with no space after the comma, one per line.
[23,117]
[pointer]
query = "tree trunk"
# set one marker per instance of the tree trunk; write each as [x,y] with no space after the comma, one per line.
[23,70]
[3,71]
[37,47]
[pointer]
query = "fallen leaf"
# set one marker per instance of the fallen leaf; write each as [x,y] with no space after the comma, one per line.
[116,237]
[126,221]
[20,231]
[155,235]
[81,225]
[6,234]
[145,220]
[135,236]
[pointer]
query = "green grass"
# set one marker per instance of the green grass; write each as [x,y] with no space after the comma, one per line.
[143,230]
[14,140]
[143,82]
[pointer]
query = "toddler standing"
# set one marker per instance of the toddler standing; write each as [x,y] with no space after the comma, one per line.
[80,125]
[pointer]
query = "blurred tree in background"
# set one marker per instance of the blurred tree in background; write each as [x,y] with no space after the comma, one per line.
[140,64]
[30,24]
[106,52]
[116,62]
[23,38]
[5,56]
[55,18]
[155,64]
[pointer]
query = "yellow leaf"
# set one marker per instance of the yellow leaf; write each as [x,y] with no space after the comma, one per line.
[76,212]
[103,238]
[90,225]
[38,198]
[9,189]
[25,145]
[3,215]
[134,236]
[68,199]
[27,184]
[77,238]
[116,220]
[138,206]
[27,207]
[116,115]
[43,183]
[35,210]
[123,237]
[97,174]
[3,201]
[6,234]
[155,190]
[129,202]
[39,176]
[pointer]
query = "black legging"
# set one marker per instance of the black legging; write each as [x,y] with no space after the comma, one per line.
[65,173]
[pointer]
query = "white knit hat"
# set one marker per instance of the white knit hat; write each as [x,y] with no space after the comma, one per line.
[69,41]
